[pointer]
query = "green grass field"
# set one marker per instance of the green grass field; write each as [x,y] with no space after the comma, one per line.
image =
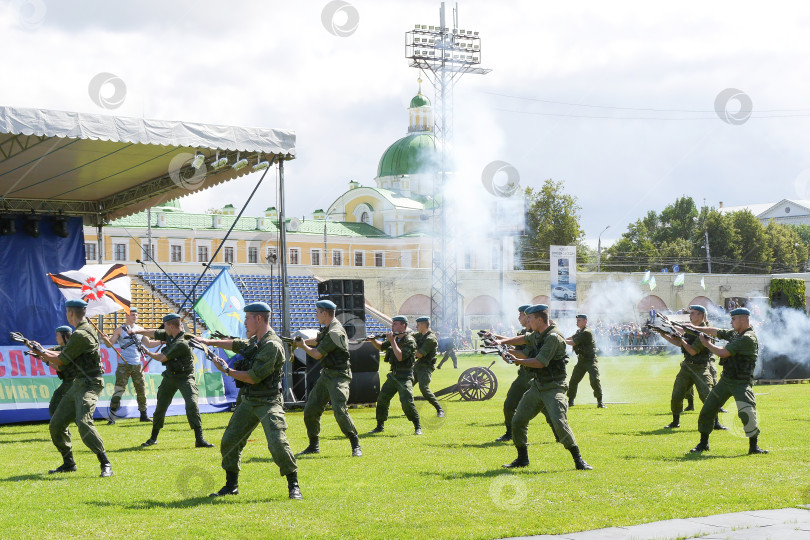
[447,483]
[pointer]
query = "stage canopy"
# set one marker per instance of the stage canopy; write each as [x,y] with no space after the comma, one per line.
[104,167]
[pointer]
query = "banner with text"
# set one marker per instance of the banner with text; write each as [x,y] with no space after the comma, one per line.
[563,269]
[27,384]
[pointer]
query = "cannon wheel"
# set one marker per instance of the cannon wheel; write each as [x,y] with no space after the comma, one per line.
[477,384]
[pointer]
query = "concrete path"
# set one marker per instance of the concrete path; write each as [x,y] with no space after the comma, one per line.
[783,524]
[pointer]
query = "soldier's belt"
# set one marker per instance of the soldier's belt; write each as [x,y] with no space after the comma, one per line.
[183,372]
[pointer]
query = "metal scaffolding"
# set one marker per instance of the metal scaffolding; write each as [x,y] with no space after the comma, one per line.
[444,54]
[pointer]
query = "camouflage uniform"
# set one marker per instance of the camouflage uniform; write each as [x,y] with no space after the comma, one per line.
[585,349]
[426,344]
[80,354]
[399,380]
[333,383]
[261,403]
[178,375]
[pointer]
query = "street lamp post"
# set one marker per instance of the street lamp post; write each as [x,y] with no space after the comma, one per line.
[599,251]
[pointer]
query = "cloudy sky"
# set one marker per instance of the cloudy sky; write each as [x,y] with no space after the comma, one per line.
[617,99]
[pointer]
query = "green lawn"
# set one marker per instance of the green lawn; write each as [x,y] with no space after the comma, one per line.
[447,483]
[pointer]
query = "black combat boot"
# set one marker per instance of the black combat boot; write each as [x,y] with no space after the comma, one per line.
[313,448]
[718,425]
[355,441]
[106,468]
[506,436]
[600,405]
[579,463]
[570,402]
[440,413]
[68,465]
[522,458]
[753,448]
[379,429]
[703,445]
[292,486]
[152,440]
[417,428]
[200,442]
[231,486]
[144,417]
[676,421]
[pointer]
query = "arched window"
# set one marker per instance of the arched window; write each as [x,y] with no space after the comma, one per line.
[365,218]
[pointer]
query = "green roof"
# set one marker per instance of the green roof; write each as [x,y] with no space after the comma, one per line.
[182,220]
[414,153]
[419,100]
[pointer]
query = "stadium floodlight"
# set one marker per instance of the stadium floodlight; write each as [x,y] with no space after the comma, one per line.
[198,161]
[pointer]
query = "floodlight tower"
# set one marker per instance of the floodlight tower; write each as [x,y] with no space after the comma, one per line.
[444,54]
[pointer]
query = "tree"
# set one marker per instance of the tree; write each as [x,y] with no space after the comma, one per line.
[724,241]
[755,250]
[553,221]
[789,253]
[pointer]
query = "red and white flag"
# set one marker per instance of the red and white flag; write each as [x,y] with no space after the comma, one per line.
[105,287]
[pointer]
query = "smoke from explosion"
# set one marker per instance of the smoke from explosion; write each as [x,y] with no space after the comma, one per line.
[784,341]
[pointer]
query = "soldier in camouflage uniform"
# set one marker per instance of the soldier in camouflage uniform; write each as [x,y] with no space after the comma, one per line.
[521,382]
[178,375]
[426,347]
[260,375]
[547,390]
[400,351]
[738,359]
[694,368]
[331,348]
[66,374]
[584,346]
[80,354]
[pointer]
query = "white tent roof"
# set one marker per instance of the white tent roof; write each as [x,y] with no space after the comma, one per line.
[100,165]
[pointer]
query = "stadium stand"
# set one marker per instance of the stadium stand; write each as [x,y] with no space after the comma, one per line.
[254,288]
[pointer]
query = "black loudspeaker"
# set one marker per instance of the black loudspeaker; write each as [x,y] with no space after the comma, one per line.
[350,301]
[364,388]
[313,371]
[365,358]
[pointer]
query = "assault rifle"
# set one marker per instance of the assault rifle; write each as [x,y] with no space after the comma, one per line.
[36,349]
[375,337]
[502,350]
[669,327]
[208,352]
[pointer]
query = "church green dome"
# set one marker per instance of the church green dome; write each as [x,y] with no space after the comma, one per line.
[419,100]
[415,153]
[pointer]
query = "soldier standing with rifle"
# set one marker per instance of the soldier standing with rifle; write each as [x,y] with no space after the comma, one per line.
[738,359]
[131,366]
[694,368]
[547,390]
[66,373]
[331,348]
[260,376]
[78,404]
[521,382]
[178,375]
[426,346]
[584,346]
[400,350]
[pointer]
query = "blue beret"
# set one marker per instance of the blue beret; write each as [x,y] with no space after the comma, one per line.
[522,308]
[170,317]
[697,308]
[257,307]
[423,319]
[64,328]
[740,311]
[76,303]
[582,316]
[400,318]
[537,308]
[326,304]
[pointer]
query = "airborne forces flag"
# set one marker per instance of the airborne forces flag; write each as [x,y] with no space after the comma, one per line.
[105,288]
